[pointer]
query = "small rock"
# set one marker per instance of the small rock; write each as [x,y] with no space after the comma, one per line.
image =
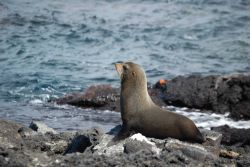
[79,144]
[41,127]
[212,141]
[145,141]
[133,146]
[83,140]
[9,134]
[233,136]
[229,154]
[194,151]
[212,138]
[244,160]
[102,97]
[103,147]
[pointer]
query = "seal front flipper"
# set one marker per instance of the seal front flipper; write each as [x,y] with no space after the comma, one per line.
[200,138]
[123,134]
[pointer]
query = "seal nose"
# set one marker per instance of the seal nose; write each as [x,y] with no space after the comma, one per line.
[119,68]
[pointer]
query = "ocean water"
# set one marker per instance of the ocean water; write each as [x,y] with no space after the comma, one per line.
[52,47]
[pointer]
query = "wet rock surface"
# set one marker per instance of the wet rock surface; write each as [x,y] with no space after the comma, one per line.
[22,146]
[234,136]
[41,127]
[102,97]
[220,94]
[84,140]
[235,144]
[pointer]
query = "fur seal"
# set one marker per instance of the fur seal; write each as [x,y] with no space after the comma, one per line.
[141,115]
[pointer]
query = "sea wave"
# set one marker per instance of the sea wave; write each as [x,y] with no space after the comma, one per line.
[50,48]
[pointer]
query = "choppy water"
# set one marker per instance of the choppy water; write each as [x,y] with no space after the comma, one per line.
[49,48]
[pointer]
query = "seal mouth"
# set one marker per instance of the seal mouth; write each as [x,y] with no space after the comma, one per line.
[119,69]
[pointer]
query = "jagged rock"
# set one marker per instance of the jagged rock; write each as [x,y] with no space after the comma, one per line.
[102,97]
[79,144]
[134,146]
[192,91]
[229,154]
[233,136]
[41,127]
[38,149]
[9,135]
[13,148]
[141,158]
[50,143]
[156,95]
[209,150]
[145,141]
[244,161]
[104,147]
[83,140]
[221,94]
[22,158]
[213,138]
[137,142]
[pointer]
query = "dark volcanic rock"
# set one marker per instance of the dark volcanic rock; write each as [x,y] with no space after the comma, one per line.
[233,136]
[218,93]
[134,146]
[221,94]
[20,146]
[84,140]
[41,127]
[142,158]
[9,135]
[192,91]
[103,97]
[244,161]
[79,144]
[233,95]
[156,95]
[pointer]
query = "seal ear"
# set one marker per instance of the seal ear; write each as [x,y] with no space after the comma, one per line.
[133,73]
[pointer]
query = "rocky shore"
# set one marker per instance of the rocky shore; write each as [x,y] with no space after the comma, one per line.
[39,145]
[219,94]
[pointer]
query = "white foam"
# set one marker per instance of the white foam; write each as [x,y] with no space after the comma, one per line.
[208,120]
[108,112]
[36,101]
[190,37]
[62,106]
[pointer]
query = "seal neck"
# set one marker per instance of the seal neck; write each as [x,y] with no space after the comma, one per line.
[134,98]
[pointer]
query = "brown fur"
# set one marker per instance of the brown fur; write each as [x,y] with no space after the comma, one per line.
[140,114]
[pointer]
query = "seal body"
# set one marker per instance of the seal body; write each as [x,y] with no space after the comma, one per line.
[141,115]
